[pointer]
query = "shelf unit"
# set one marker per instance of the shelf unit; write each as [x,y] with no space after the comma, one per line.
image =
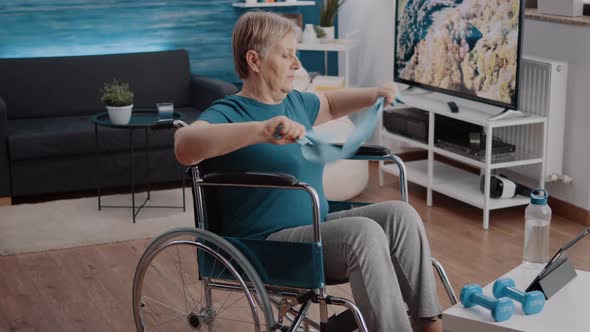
[273,4]
[337,45]
[452,181]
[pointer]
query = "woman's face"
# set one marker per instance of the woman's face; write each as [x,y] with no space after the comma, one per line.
[279,66]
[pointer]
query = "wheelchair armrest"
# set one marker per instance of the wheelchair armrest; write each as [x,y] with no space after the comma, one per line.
[168,124]
[251,178]
[376,152]
[366,150]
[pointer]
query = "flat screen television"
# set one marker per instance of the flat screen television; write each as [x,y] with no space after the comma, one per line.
[466,48]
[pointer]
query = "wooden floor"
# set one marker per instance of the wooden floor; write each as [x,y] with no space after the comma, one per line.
[89,288]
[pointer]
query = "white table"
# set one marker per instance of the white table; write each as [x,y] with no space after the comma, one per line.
[566,311]
[343,46]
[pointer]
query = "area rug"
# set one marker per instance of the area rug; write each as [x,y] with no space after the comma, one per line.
[78,222]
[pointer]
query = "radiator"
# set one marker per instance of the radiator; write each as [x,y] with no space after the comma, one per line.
[542,91]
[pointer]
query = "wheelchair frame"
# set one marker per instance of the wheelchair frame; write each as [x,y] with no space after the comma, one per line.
[302,297]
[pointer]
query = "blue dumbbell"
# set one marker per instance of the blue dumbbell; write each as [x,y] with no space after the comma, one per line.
[501,309]
[532,302]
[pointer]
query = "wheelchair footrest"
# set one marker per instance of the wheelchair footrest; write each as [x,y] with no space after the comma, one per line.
[343,322]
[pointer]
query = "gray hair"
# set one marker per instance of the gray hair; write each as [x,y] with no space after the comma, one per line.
[258,31]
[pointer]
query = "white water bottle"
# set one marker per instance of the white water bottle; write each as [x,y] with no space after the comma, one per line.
[536,230]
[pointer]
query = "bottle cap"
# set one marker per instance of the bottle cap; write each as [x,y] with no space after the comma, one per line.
[539,196]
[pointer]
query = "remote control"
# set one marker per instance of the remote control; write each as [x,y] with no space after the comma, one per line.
[454,108]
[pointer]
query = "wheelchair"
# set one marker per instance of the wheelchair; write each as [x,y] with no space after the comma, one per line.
[191,279]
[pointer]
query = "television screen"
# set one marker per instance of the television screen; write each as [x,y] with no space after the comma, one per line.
[467,48]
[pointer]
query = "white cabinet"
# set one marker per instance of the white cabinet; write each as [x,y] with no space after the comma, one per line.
[343,46]
[458,183]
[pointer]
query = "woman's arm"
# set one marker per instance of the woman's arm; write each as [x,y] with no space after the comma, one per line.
[336,104]
[202,140]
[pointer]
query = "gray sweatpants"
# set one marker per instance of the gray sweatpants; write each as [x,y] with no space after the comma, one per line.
[382,248]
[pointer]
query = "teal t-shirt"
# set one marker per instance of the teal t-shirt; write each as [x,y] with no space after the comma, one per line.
[258,212]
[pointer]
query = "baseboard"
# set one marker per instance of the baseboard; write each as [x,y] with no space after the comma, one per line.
[569,211]
[5,201]
[561,208]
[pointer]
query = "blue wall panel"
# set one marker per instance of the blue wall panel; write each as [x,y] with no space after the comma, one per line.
[40,28]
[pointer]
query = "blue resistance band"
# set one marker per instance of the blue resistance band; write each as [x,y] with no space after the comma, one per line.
[318,149]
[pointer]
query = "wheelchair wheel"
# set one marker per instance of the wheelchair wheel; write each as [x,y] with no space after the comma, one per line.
[191,279]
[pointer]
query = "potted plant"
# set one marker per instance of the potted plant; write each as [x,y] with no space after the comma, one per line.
[328,13]
[118,98]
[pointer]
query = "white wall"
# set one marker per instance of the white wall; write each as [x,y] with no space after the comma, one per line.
[569,43]
[374,19]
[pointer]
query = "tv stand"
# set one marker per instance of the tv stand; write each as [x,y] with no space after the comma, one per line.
[452,181]
[507,113]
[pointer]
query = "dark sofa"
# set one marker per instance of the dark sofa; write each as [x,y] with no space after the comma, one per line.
[47,142]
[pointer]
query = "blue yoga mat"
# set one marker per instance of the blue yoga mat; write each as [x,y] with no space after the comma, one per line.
[318,149]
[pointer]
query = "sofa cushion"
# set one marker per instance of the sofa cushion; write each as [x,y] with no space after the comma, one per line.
[64,86]
[74,135]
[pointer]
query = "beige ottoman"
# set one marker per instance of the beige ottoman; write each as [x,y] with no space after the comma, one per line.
[343,179]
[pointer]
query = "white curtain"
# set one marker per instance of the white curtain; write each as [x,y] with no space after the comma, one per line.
[372,23]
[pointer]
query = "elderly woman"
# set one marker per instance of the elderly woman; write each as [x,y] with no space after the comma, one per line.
[381,248]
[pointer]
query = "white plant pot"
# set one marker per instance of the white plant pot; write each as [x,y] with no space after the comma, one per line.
[120,114]
[329,37]
[309,36]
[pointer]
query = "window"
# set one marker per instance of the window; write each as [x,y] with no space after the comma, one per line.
[533,4]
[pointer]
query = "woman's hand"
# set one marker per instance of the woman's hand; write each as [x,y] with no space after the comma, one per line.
[389,91]
[281,130]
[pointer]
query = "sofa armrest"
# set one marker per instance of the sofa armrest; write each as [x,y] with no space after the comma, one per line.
[4,164]
[206,90]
